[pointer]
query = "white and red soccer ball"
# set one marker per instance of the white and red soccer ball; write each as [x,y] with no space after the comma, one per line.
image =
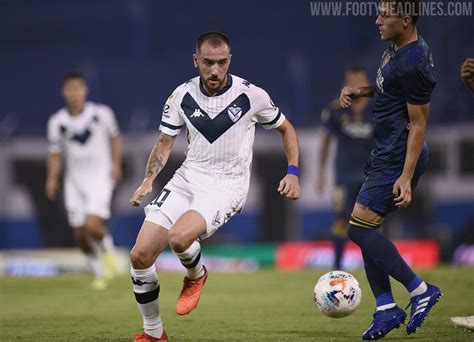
[337,294]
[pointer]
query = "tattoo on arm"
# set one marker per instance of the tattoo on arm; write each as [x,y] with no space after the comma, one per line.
[155,164]
[159,155]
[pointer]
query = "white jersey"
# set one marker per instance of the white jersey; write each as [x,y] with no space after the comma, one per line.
[220,130]
[84,140]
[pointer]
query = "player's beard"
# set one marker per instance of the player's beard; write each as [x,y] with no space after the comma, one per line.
[216,85]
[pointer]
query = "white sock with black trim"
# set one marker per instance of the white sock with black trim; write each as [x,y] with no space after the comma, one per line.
[191,259]
[146,288]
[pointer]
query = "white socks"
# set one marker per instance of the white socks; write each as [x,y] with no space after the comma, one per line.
[419,290]
[386,306]
[191,259]
[95,263]
[147,288]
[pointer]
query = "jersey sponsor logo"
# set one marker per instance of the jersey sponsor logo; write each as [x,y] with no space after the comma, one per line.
[217,219]
[359,130]
[213,129]
[197,113]
[234,112]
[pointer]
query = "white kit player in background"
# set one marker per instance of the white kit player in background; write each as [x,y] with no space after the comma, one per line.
[220,112]
[86,137]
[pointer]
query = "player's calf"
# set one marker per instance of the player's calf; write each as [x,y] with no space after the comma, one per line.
[194,281]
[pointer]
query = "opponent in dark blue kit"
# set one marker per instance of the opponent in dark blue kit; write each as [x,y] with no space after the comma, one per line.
[402,94]
[352,127]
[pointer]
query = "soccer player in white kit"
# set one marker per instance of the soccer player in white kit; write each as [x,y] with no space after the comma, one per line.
[85,135]
[220,112]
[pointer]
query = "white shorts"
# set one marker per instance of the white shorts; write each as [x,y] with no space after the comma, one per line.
[179,196]
[90,197]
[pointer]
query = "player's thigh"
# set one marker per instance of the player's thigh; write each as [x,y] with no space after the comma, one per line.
[366,214]
[375,199]
[340,197]
[74,201]
[345,195]
[188,228]
[217,208]
[151,241]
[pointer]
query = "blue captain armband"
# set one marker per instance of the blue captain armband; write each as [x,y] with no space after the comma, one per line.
[293,170]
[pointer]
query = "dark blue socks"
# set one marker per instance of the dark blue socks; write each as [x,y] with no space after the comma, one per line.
[381,259]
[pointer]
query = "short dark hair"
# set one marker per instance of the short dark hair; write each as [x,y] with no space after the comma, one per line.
[74,75]
[407,7]
[356,69]
[214,37]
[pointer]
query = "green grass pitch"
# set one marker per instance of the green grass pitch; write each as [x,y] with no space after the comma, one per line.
[263,306]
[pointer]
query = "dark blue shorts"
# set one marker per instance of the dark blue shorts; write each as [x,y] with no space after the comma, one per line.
[344,198]
[376,191]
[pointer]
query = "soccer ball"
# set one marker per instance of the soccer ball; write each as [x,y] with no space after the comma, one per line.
[337,294]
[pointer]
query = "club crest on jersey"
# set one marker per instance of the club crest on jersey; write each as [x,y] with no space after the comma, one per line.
[234,113]
[197,113]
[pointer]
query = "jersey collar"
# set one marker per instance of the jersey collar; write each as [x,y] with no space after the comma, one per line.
[222,91]
[392,51]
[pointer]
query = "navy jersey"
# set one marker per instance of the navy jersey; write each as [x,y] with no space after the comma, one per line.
[354,141]
[404,76]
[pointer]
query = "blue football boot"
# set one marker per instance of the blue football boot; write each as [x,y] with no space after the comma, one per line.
[421,306]
[384,322]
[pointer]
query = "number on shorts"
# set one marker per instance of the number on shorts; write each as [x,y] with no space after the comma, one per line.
[159,200]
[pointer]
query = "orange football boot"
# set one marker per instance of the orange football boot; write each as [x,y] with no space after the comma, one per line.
[190,294]
[142,337]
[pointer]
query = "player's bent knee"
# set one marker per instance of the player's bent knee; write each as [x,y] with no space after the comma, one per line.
[178,241]
[140,258]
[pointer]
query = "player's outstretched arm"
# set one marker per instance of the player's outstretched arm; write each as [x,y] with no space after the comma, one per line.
[157,160]
[289,186]
[418,115]
[53,172]
[348,94]
[467,73]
